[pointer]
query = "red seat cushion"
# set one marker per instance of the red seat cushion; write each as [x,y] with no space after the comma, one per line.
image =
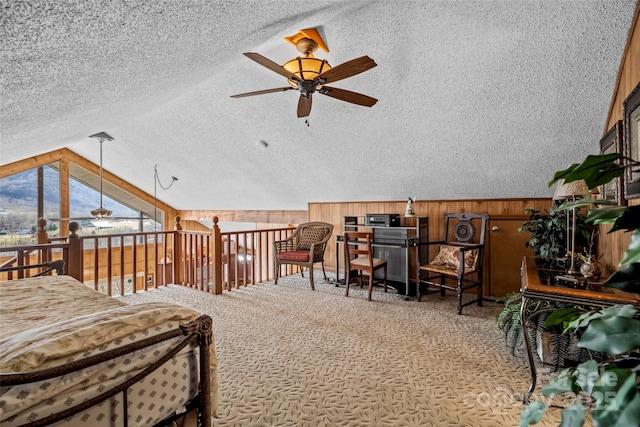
[298,256]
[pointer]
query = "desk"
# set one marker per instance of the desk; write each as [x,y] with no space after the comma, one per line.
[396,244]
[379,250]
[532,287]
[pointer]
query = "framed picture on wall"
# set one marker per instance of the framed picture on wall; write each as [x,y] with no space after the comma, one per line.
[613,191]
[631,147]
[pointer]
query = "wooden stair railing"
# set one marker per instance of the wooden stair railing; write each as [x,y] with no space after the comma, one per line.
[21,257]
[120,263]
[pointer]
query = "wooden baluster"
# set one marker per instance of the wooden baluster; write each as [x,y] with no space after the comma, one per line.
[121,261]
[96,263]
[158,274]
[217,257]
[177,253]
[145,261]
[109,265]
[227,245]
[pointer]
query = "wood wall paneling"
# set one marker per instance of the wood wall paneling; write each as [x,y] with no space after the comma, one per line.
[611,247]
[512,209]
[255,216]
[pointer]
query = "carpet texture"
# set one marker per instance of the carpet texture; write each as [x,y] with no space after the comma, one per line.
[290,356]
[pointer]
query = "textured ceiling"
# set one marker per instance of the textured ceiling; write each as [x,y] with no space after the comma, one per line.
[477,99]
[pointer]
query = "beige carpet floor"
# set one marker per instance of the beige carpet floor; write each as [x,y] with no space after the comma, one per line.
[289,356]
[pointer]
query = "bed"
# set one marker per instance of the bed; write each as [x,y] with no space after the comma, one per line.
[70,353]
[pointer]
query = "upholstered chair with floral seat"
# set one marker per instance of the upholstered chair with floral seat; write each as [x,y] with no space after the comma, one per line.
[303,248]
[458,264]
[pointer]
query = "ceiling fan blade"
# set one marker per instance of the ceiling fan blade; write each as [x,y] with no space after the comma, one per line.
[347,69]
[137,218]
[71,219]
[348,96]
[265,62]
[262,92]
[304,105]
[90,218]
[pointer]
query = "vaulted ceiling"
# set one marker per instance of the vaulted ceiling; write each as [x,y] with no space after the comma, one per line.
[476,99]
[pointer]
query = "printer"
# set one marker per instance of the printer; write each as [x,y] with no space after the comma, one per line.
[382,220]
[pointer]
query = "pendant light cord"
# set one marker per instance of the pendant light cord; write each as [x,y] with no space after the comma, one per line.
[156,180]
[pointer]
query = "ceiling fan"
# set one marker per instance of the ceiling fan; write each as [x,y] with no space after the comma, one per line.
[100,217]
[309,74]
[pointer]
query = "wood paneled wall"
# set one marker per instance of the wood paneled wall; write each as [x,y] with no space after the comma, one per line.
[333,213]
[628,73]
[262,216]
[612,246]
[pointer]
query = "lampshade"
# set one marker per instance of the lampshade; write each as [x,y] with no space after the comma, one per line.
[306,67]
[101,213]
[570,189]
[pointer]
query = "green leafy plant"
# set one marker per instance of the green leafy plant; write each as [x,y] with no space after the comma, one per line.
[548,318]
[549,231]
[508,320]
[610,387]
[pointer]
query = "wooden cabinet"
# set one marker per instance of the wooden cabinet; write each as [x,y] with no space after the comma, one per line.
[506,248]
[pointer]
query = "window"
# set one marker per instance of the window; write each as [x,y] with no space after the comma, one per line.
[19,209]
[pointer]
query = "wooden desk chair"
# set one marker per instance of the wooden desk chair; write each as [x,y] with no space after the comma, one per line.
[459,263]
[303,248]
[360,258]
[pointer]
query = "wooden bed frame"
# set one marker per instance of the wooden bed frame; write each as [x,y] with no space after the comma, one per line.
[198,331]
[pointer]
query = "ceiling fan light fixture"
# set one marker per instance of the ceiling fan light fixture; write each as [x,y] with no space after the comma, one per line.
[101,213]
[308,74]
[306,68]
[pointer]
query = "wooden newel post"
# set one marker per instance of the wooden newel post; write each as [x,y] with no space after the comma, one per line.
[42,238]
[216,258]
[177,253]
[74,265]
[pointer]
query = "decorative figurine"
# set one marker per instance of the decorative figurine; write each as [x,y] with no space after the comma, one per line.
[409,210]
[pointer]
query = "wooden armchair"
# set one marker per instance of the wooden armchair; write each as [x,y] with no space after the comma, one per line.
[458,266]
[303,248]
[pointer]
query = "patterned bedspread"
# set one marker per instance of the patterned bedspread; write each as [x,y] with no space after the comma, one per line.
[38,301]
[49,321]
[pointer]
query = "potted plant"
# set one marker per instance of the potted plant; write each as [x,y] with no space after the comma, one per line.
[549,234]
[609,389]
[548,242]
[508,320]
[552,346]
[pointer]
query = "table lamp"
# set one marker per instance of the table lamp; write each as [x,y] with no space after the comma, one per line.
[565,191]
